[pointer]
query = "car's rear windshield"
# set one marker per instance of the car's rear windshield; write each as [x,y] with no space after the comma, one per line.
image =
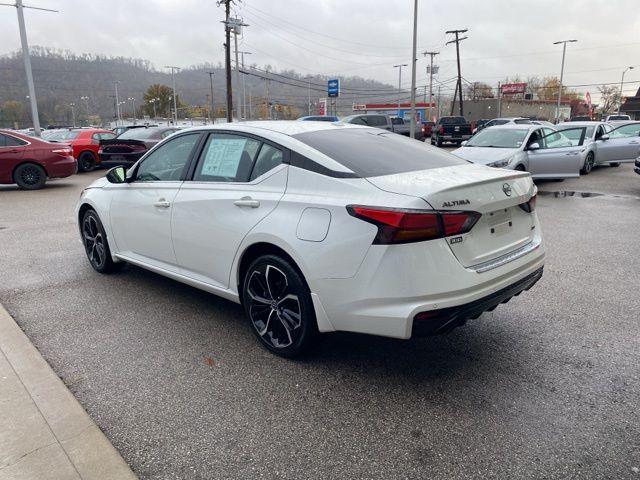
[63,135]
[371,153]
[138,134]
[452,120]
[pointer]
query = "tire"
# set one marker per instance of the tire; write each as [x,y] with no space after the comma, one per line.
[520,168]
[614,164]
[278,305]
[432,141]
[29,176]
[588,164]
[95,244]
[439,142]
[86,162]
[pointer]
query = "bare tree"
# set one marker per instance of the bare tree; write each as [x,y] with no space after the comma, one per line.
[609,98]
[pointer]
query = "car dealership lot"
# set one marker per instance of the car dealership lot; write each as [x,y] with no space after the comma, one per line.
[546,385]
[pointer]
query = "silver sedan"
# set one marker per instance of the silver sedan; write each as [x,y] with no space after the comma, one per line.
[540,150]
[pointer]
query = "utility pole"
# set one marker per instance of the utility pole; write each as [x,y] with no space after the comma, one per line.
[621,83]
[431,54]
[439,112]
[266,94]
[117,104]
[564,51]
[175,101]
[457,41]
[213,110]
[244,86]
[499,101]
[27,60]
[414,60]
[399,83]
[227,58]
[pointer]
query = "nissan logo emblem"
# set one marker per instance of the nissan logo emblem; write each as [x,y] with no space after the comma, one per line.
[506,188]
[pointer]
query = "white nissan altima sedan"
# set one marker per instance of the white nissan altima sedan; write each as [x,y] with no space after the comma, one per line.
[317,227]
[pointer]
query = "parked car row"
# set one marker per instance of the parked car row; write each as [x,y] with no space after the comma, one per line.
[563,151]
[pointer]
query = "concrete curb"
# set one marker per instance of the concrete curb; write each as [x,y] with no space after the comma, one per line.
[44,431]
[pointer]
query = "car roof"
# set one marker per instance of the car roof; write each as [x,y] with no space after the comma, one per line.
[286,127]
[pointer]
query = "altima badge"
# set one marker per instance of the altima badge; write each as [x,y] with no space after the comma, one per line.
[506,188]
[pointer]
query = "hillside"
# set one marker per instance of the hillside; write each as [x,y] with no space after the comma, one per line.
[62,78]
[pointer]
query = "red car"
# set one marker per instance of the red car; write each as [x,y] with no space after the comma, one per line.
[85,143]
[29,161]
[427,128]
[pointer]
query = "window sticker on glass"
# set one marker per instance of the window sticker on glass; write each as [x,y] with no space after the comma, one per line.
[223,157]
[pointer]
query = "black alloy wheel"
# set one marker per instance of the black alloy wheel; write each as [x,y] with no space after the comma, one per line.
[86,162]
[95,244]
[30,176]
[279,307]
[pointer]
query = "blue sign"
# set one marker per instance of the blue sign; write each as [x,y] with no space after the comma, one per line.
[333,88]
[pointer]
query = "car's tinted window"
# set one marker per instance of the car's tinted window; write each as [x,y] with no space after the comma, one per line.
[452,120]
[356,120]
[370,153]
[226,158]
[140,133]
[167,162]
[10,141]
[522,121]
[376,120]
[268,158]
[575,135]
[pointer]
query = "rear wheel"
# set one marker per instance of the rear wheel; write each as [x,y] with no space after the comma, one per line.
[588,164]
[614,164]
[95,244]
[439,142]
[278,305]
[30,176]
[86,162]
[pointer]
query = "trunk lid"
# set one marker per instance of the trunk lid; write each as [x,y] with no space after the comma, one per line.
[495,193]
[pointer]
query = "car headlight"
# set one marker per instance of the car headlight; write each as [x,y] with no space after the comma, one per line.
[500,163]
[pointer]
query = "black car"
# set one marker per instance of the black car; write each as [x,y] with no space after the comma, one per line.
[129,146]
[637,166]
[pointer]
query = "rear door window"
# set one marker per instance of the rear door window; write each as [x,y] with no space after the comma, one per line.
[370,153]
[9,141]
[226,158]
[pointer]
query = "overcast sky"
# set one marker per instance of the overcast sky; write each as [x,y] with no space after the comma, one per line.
[354,37]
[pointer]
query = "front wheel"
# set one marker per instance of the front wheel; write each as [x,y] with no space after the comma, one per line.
[588,164]
[30,176]
[94,239]
[277,302]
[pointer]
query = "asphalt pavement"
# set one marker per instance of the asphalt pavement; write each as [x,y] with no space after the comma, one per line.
[546,386]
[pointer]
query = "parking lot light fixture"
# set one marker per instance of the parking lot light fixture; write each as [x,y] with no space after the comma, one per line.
[399,83]
[621,84]
[564,50]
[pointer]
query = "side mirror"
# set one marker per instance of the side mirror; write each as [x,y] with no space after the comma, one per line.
[463,143]
[604,137]
[534,146]
[117,175]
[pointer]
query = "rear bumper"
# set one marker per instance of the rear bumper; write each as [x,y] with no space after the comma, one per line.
[65,167]
[454,138]
[435,322]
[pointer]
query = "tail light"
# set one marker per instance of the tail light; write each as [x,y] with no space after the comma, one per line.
[64,152]
[529,206]
[409,225]
[441,129]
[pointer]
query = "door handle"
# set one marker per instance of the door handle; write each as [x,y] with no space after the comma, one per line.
[634,142]
[247,202]
[162,203]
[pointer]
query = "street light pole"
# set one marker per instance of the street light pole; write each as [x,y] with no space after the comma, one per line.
[622,83]
[431,54]
[213,112]
[564,50]
[414,60]
[175,102]
[27,60]
[117,104]
[133,108]
[399,83]
[73,114]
